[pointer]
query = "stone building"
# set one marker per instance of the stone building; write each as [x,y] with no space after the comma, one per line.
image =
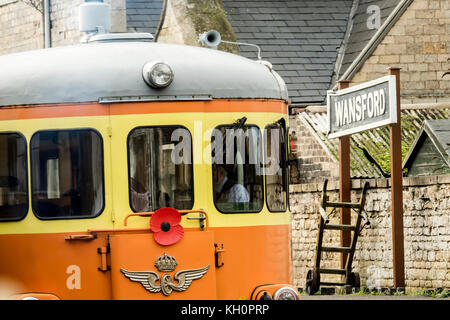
[312,45]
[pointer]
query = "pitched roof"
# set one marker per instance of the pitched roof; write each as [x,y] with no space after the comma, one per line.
[143,15]
[365,34]
[364,27]
[376,141]
[439,133]
[299,37]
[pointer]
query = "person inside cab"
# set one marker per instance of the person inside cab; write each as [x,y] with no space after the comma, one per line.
[226,188]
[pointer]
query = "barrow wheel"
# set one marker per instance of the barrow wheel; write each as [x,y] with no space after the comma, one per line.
[312,282]
[354,280]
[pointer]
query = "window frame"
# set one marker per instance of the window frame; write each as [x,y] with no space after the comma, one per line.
[262,167]
[286,172]
[176,126]
[102,159]
[26,178]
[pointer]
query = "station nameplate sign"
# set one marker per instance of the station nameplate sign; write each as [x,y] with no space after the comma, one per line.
[362,107]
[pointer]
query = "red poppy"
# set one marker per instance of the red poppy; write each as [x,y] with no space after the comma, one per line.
[165,224]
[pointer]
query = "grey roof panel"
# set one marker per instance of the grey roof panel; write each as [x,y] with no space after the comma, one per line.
[313,31]
[89,72]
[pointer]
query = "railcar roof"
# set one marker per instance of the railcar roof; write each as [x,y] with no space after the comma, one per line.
[106,71]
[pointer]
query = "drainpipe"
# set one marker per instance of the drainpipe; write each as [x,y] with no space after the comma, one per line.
[161,21]
[46,18]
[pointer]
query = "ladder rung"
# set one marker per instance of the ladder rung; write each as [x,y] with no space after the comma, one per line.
[337,249]
[332,271]
[333,283]
[343,205]
[339,227]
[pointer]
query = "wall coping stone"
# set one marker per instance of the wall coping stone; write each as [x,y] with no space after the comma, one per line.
[333,185]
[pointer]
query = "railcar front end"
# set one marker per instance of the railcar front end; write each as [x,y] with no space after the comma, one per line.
[136,170]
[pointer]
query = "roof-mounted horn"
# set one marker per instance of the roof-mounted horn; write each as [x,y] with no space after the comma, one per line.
[212,39]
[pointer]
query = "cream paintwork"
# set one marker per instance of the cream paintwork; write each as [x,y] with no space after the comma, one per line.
[114,131]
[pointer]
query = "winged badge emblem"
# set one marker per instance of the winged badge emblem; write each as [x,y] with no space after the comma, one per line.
[149,279]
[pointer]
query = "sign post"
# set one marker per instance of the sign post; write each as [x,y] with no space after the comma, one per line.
[397,190]
[344,184]
[362,107]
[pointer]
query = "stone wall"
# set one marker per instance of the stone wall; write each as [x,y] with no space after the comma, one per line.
[419,43]
[20,27]
[426,232]
[64,19]
[21,24]
[311,161]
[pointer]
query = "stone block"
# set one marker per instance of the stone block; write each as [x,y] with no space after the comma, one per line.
[432,85]
[425,14]
[443,179]
[418,5]
[434,29]
[406,59]
[397,30]
[414,29]
[434,4]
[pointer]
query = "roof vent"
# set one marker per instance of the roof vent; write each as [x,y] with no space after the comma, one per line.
[108,37]
[94,17]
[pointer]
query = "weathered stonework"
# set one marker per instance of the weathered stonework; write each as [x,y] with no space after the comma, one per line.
[426,205]
[419,43]
[185,20]
[64,18]
[312,163]
[20,27]
[178,27]
[21,24]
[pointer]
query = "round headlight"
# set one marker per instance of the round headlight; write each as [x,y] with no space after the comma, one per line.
[286,293]
[157,74]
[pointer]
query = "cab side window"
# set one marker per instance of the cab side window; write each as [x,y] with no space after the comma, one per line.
[275,168]
[13,177]
[237,170]
[67,174]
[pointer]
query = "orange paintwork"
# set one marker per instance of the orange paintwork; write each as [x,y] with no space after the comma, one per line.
[138,252]
[53,111]
[97,109]
[39,263]
[252,256]
[86,264]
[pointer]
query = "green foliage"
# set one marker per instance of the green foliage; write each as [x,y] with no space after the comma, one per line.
[380,150]
[433,293]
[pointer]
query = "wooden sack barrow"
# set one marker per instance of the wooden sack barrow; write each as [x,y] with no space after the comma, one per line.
[352,279]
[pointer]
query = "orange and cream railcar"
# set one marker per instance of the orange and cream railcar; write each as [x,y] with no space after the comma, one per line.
[93,203]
